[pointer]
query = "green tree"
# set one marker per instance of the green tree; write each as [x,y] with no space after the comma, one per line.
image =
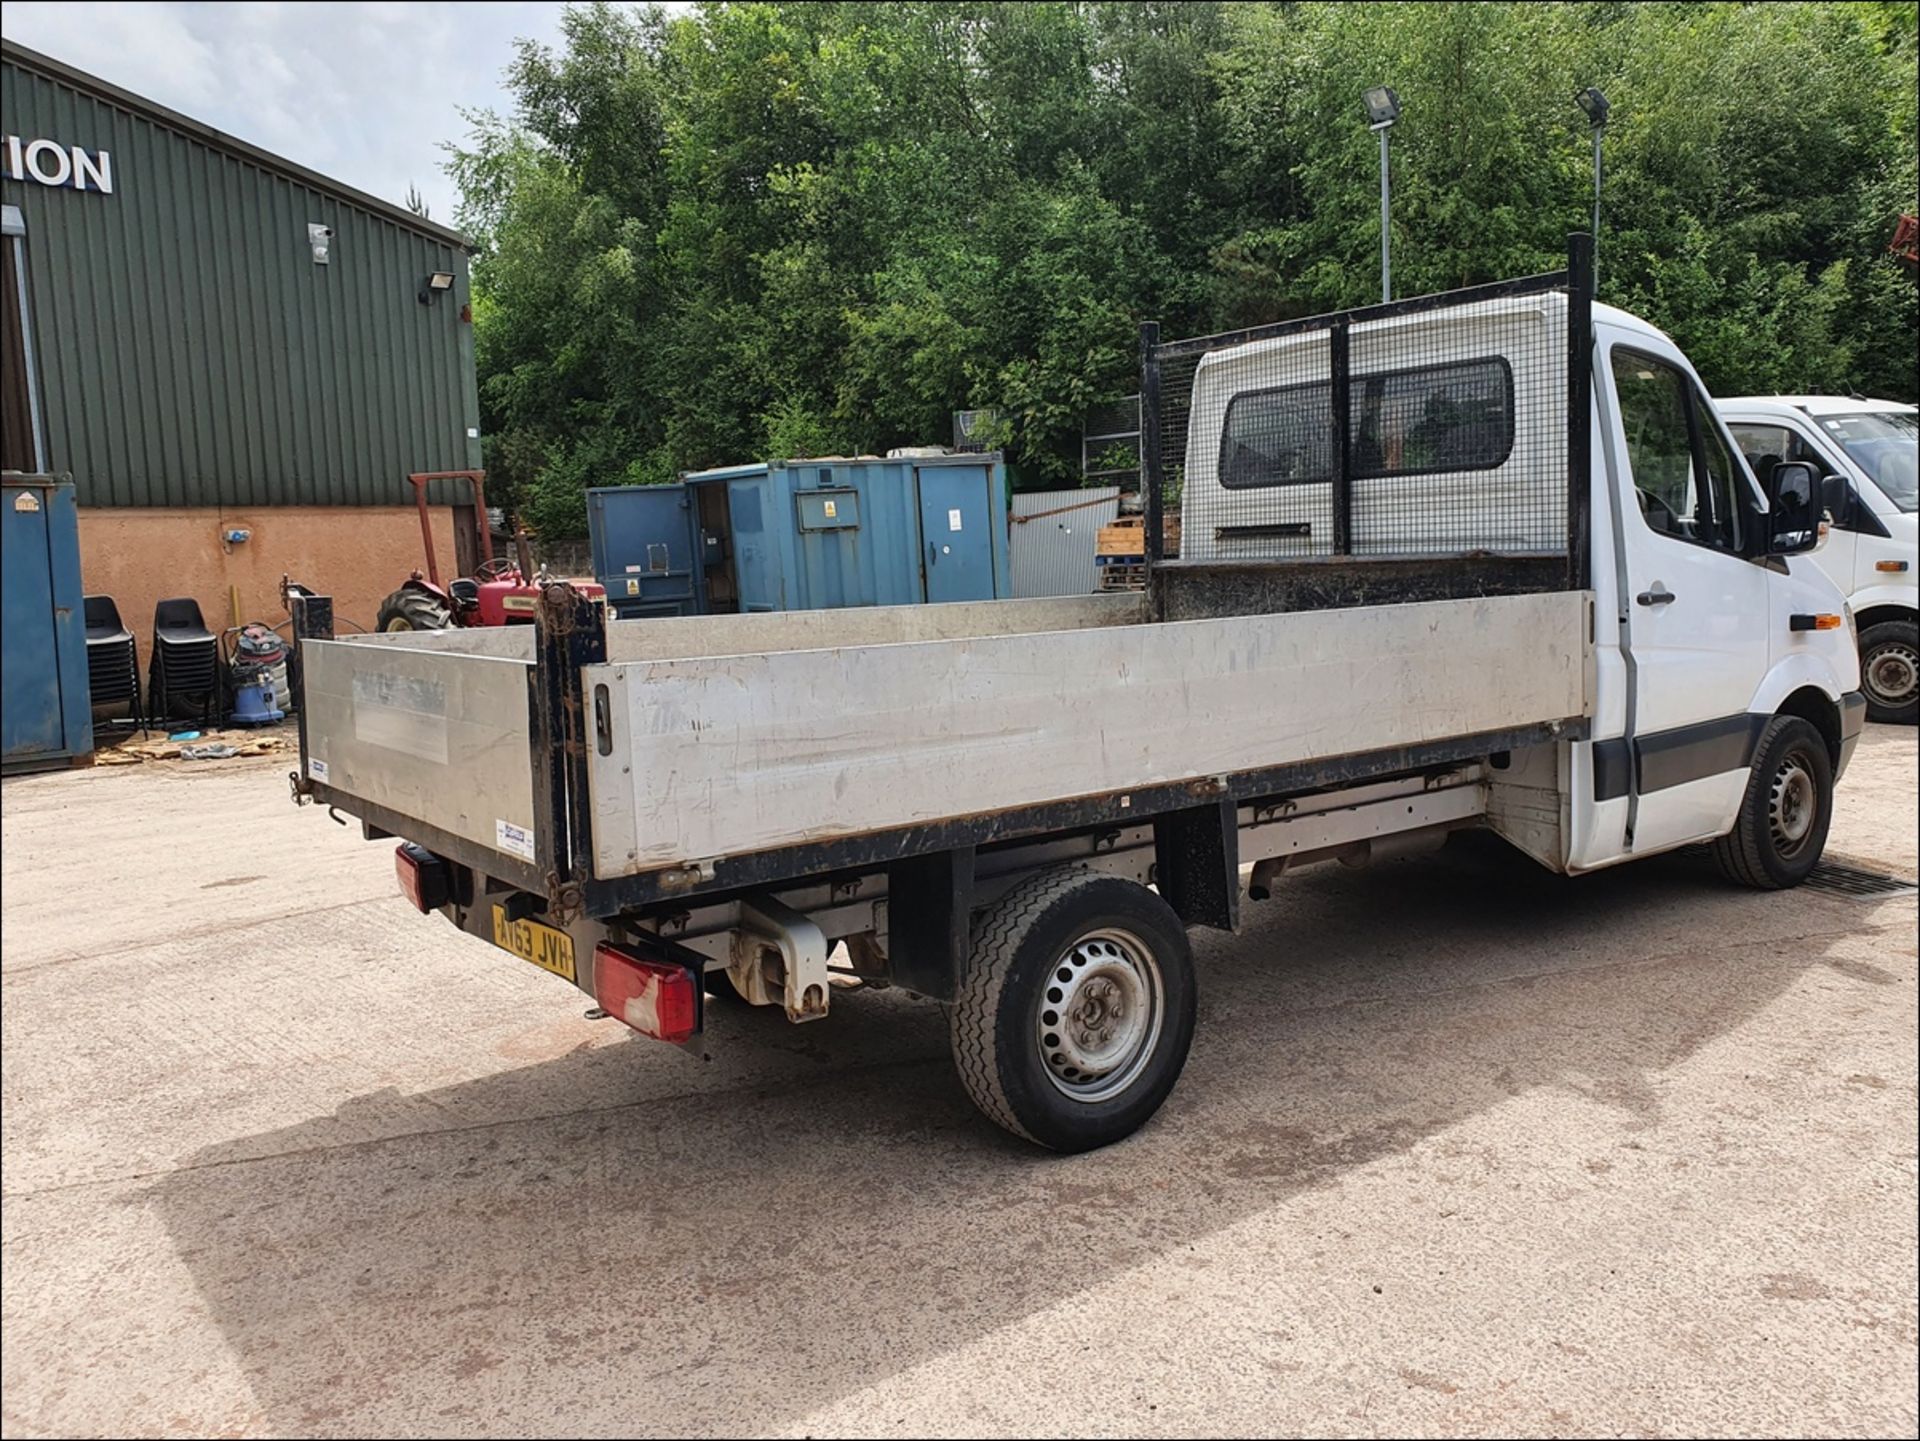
[757,229]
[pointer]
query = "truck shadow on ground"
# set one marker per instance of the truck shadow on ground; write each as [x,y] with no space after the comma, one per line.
[731,1260]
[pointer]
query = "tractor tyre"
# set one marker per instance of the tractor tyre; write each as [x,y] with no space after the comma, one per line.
[410,608]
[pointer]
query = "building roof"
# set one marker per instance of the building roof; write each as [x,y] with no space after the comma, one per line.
[158,114]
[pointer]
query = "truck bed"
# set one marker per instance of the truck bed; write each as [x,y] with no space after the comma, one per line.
[728,736]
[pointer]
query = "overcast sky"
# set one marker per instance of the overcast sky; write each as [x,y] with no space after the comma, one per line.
[362,92]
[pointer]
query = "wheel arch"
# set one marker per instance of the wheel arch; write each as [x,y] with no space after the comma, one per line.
[1881,612]
[1819,710]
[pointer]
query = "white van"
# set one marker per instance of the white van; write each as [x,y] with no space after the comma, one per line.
[1870,550]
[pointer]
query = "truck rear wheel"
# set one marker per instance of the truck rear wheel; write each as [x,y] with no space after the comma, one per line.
[1785,813]
[409,608]
[1890,671]
[1076,1010]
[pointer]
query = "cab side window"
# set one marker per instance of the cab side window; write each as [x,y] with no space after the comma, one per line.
[1765,446]
[1683,474]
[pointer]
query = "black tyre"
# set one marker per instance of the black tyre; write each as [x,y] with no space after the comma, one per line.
[1890,671]
[410,608]
[1784,816]
[1076,1010]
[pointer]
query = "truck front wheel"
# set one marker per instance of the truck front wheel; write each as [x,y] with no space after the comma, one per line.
[1076,1010]
[1782,827]
[1890,671]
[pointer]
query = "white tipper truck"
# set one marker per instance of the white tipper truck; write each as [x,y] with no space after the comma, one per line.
[1486,559]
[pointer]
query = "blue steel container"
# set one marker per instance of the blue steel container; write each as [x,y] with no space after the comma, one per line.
[826,534]
[46,714]
[643,539]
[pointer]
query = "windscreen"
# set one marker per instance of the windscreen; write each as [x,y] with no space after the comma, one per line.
[1886,445]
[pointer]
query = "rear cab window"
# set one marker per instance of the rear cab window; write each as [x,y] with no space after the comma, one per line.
[1431,420]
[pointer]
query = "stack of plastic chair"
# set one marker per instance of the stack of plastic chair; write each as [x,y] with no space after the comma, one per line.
[183,678]
[113,665]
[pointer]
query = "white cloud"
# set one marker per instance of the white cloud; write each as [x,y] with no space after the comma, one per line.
[365,93]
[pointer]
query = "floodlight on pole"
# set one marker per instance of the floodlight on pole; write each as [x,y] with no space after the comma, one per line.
[1596,107]
[1383,108]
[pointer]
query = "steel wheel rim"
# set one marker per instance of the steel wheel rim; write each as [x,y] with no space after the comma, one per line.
[1792,806]
[1100,1015]
[399,622]
[1892,673]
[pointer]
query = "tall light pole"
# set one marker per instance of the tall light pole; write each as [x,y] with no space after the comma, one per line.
[1595,104]
[1383,108]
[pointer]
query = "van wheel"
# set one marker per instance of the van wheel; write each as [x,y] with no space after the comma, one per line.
[1076,1010]
[1786,811]
[1890,671]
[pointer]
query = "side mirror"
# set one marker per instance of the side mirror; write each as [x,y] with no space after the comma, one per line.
[1793,519]
[1836,499]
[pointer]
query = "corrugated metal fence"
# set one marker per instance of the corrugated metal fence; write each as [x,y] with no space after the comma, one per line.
[1051,549]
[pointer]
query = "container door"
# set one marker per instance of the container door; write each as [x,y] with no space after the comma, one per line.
[956,532]
[29,658]
[757,569]
[642,538]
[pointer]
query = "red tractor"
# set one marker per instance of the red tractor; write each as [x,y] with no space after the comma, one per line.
[500,591]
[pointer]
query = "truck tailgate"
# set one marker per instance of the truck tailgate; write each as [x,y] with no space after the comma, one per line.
[427,730]
[728,755]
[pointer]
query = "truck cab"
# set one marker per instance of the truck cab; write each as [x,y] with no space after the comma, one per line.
[1870,548]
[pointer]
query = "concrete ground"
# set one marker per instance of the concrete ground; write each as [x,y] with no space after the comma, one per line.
[1462,1148]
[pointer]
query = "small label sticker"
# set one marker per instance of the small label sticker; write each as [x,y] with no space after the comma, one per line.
[635,569]
[515,840]
[473,432]
[953,520]
[832,510]
[26,501]
[316,768]
[633,587]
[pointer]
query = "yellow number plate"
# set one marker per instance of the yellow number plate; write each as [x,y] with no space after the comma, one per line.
[547,948]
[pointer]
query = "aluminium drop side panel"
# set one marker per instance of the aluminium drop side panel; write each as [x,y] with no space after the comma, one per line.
[436,735]
[675,638]
[731,755]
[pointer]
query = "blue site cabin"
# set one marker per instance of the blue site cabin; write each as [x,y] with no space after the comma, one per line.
[804,535]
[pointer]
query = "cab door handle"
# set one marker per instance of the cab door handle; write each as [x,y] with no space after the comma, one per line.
[1659,595]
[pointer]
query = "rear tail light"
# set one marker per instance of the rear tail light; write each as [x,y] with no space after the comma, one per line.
[656,998]
[423,877]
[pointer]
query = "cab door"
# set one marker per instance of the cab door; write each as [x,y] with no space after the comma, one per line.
[1697,610]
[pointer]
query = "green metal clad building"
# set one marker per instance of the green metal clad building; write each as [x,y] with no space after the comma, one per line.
[204,334]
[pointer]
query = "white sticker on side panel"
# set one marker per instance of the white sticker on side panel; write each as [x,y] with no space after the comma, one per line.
[953,520]
[316,768]
[515,840]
